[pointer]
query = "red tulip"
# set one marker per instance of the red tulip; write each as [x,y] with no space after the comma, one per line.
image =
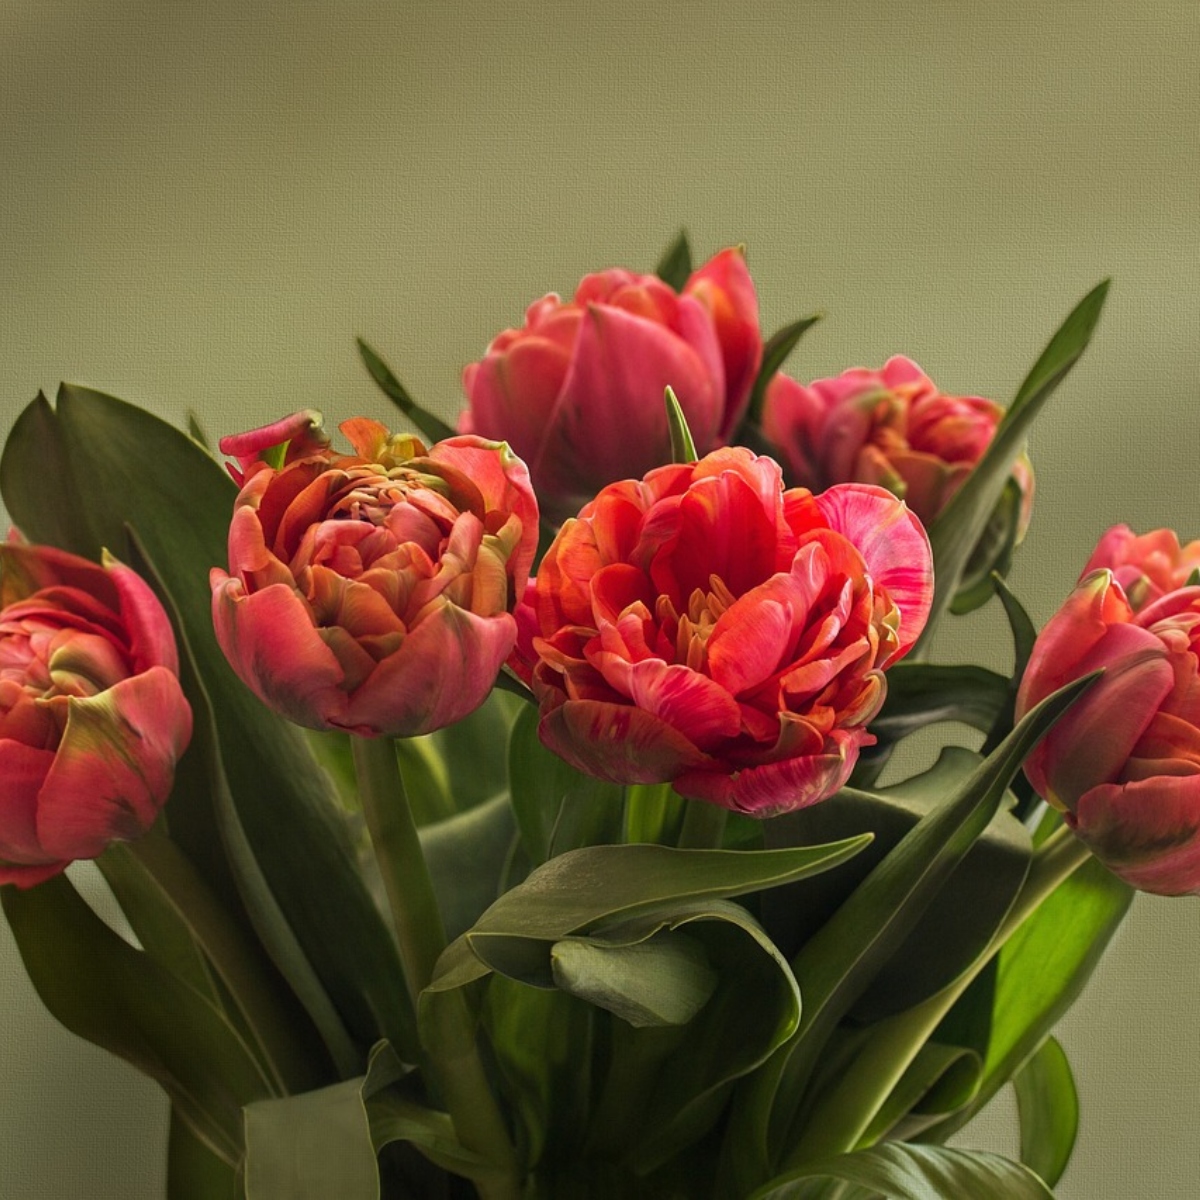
[1146,567]
[704,627]
[1124,762]
[373,591]
[578,391]
[891,427]
[92,717]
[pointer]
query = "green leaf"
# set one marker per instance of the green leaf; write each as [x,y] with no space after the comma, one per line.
[958,527]
[468,856]
[138,471]
[675,266]
[837,965]
[474,751]
[1041,971]
[903,1171]
[1048,1106]
[992,555]
[662,977]
[431,426]
[557,808]
[775,353]
[683,446]
[921,694]
[318,1144]
[960,919]
[119,998]
[194,1172]
[582,888]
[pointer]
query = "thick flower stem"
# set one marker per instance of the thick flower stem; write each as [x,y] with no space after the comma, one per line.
[416,919]
[703,826]
[846,1113]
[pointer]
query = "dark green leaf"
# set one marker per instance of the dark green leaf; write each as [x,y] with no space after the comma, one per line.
[775,353]
[958,527]
[1048,1106]
[1041,971]
[118,998]
[921,694]
[675,266]
[557,808]
[902,1171]
[836,966]
[138,471]
[992,555]
[433,427]
[194,1172]
[961,917]
[467,856]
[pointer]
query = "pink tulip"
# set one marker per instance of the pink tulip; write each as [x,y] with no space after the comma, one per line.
[578,391]
[1124,763]
[891,427]
[1146,567]
[705,627]
[373,591]
[92,717]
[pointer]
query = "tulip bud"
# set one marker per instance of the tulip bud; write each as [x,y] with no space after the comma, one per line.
[92,717]
[373,591]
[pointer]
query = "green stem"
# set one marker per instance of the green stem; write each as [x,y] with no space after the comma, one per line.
[703,826]
[845,1114]
[416,919]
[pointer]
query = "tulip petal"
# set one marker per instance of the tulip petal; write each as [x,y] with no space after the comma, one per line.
[895,547]
[1147,832]
[271,642]
[151,642]
[22,772]
[114,766]
[778,787]
[443,670]
[618,742]
[622,365]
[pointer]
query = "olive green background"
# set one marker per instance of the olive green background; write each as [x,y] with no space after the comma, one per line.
[202,204]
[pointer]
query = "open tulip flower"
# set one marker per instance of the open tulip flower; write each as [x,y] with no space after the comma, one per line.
[578,391]
[705,627]
[373,591]
[892,427]
[92,717]
[1124,763]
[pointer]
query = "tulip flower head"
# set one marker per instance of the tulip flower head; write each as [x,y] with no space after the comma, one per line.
[578,390]
[92,716]
[372,591]
[1124,762]
[891,427]
[704,626]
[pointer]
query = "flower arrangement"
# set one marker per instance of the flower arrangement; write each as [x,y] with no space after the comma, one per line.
[500,811]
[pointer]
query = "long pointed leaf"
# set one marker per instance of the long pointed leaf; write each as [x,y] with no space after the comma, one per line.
[958,527]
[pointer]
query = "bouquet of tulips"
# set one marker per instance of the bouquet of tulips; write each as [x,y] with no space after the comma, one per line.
[500,811]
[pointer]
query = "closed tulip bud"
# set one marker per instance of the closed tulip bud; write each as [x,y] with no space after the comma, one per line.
[578,390]
[92,716]
[1124,762]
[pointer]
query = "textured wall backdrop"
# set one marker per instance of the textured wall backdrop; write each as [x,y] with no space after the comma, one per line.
[203,203]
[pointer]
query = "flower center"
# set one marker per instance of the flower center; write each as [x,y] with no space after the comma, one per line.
[690,631]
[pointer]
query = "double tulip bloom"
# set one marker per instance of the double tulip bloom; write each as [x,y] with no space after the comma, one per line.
[891,427]
[578,391]
[1124,763]
[372,591]
[704,626]
[92,716]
